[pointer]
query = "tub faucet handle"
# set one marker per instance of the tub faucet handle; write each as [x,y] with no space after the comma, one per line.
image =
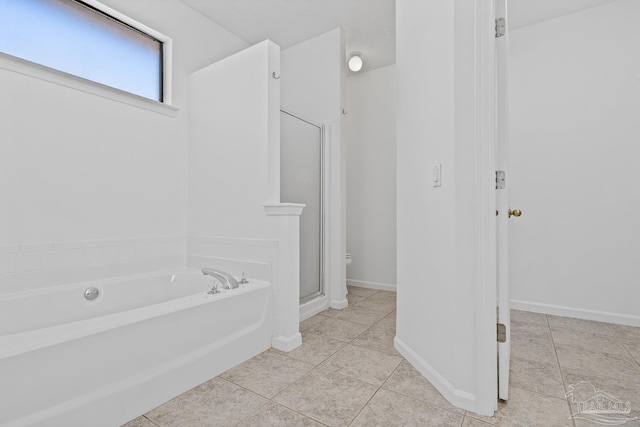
[244,278]
[214,288]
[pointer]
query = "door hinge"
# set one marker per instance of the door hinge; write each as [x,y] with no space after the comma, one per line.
[502,333]
[500,180]
[500,27]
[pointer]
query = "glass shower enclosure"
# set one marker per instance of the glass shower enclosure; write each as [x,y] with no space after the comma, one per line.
[301,178]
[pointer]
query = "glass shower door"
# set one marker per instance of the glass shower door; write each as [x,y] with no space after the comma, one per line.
[301,182]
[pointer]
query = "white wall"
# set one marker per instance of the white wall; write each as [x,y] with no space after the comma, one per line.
[371,177]
[425,136]
[574,108]
[229,144]
[313,80]
[438,288]
[313,87]
[78,167]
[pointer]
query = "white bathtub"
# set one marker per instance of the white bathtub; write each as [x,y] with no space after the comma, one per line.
[66,361]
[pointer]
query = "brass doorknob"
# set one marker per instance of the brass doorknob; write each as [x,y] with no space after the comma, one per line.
[516,212]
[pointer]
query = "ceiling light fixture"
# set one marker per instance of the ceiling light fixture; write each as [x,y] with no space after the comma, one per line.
[355,62]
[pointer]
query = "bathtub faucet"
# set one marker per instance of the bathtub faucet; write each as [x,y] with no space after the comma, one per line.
[227,280]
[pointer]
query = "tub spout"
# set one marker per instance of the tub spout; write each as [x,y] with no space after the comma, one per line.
[227,280]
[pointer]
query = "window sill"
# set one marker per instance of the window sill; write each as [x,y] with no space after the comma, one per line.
[28,68]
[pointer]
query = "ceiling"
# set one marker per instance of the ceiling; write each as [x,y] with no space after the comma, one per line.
[527,12]
[369,25]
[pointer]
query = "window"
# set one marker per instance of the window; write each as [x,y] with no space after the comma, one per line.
[88,40]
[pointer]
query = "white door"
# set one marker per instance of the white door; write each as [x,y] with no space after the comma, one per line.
[503,212]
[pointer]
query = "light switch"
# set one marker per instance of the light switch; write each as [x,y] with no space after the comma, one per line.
[437,175]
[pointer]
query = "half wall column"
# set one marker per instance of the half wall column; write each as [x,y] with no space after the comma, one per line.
[286,277]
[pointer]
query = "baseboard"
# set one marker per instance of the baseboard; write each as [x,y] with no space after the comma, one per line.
[372,285]
[339,304]
[459,398]
[578,313]
[313,307]
[287,343]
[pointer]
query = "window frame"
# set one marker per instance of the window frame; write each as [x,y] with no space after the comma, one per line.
[43,72]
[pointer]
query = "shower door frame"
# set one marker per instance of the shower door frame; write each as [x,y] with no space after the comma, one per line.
[321,292]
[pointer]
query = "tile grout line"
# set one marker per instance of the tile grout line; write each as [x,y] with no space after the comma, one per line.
[365,331]
[150,420]
[351,342]
[414,398]
[580,330]
[385,381]
[609,355]
[314,368]
[364,406]
[241,386]
[468,414]
[368,325]
[255,410]
[323,360]
[538,393]
[317,314]
[292,409]
[271,399]
[346,344]
[564,383]
[374,349]
[619,341]
[318,366]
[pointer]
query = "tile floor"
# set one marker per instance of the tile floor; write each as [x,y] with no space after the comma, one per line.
[347,373]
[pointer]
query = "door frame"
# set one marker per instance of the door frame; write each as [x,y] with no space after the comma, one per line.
[502,204]
[323,195]
[485,204]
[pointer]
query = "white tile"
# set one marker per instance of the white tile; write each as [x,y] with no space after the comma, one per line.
[27,261]
[73,257]
[50,260]
[7,263]
[142,250]
[96,243]
[110,254]
[210,249]
[92,255]
[141,240]
[122,241]
[177,245]
[75,244]
[9,249]
[128,252]
[36,247]
[196,246]
[155,250]
[172,248]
